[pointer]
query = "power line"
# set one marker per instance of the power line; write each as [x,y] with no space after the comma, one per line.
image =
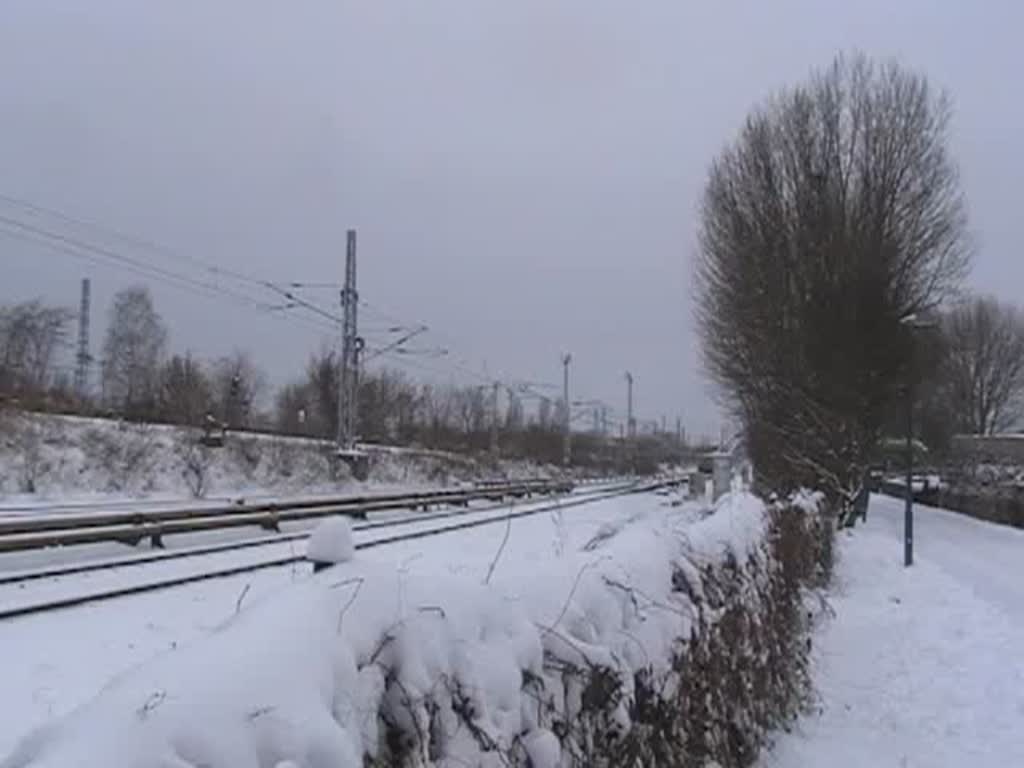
[163,250]
[302,302]
[84,249]
[521,387]
[396,344]
[126,237]
[325,321]
[91,250]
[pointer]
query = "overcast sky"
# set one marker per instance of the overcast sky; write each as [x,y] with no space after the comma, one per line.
[523,174]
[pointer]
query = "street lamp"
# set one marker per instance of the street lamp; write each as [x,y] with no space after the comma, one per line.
[913,322]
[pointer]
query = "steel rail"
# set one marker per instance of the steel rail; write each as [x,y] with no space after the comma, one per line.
[135,589]
[53,531]
[22,576]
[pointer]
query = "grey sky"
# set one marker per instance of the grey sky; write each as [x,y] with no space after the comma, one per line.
[523,175]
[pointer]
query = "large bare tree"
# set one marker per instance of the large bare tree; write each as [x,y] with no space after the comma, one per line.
[132,352]
[31,334]
[835,215]
[983,370]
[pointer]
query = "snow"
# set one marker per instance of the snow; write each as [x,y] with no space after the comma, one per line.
[543,748]
[51,663]
[920,666]
[918,482]
[295,673]
[731,527]
[331,541]
[72,461]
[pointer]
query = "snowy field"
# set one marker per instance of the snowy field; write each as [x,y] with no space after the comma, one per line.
[51,663]
[50,462]
[919,668]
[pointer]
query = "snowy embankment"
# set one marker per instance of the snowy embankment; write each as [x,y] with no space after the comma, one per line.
[50,457]
[583,655]
[920,666]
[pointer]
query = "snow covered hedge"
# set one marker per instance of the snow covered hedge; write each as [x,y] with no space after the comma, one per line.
[661,642]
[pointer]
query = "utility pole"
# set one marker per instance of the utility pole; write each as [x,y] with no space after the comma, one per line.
[348,375]
[82,358]
[630,421]
[913,323]
[908,490]
[567,445]
[494,420]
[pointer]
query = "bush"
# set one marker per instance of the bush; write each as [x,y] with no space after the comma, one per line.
[196,460]
[741,674]
[744,670]
[126,454]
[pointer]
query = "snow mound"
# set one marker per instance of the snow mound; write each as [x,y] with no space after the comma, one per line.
[331,542]
[355,664]
[543,749]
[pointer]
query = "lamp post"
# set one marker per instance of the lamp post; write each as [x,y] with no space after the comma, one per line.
[913,322]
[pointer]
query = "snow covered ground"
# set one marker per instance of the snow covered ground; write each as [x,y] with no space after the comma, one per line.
[920,667]
[68,462]
[52,663]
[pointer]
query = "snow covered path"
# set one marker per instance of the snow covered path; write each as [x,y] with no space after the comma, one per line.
[920,667]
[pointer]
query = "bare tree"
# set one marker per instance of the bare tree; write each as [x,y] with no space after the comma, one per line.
[983,370]
[471,409]
[238,386]
[544,413]
[514,419]
[132,350]
[196,462]
[386,405]
[436,408]
[31,334]
[185,393]
[322,378]
[835,214]
[293,409]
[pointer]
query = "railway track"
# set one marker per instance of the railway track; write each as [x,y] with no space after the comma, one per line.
[20,534]
[163,555]
[372,534]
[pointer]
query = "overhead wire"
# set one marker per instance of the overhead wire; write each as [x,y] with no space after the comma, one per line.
[141,242]
[82,248]
[173,280]
[324,320]
[524,389]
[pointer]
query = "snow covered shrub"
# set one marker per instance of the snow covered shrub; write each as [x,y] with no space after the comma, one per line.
[744,671]
[283,459]
[246,454]
[125,454]
[672,641]
[29,447]
[196,461]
